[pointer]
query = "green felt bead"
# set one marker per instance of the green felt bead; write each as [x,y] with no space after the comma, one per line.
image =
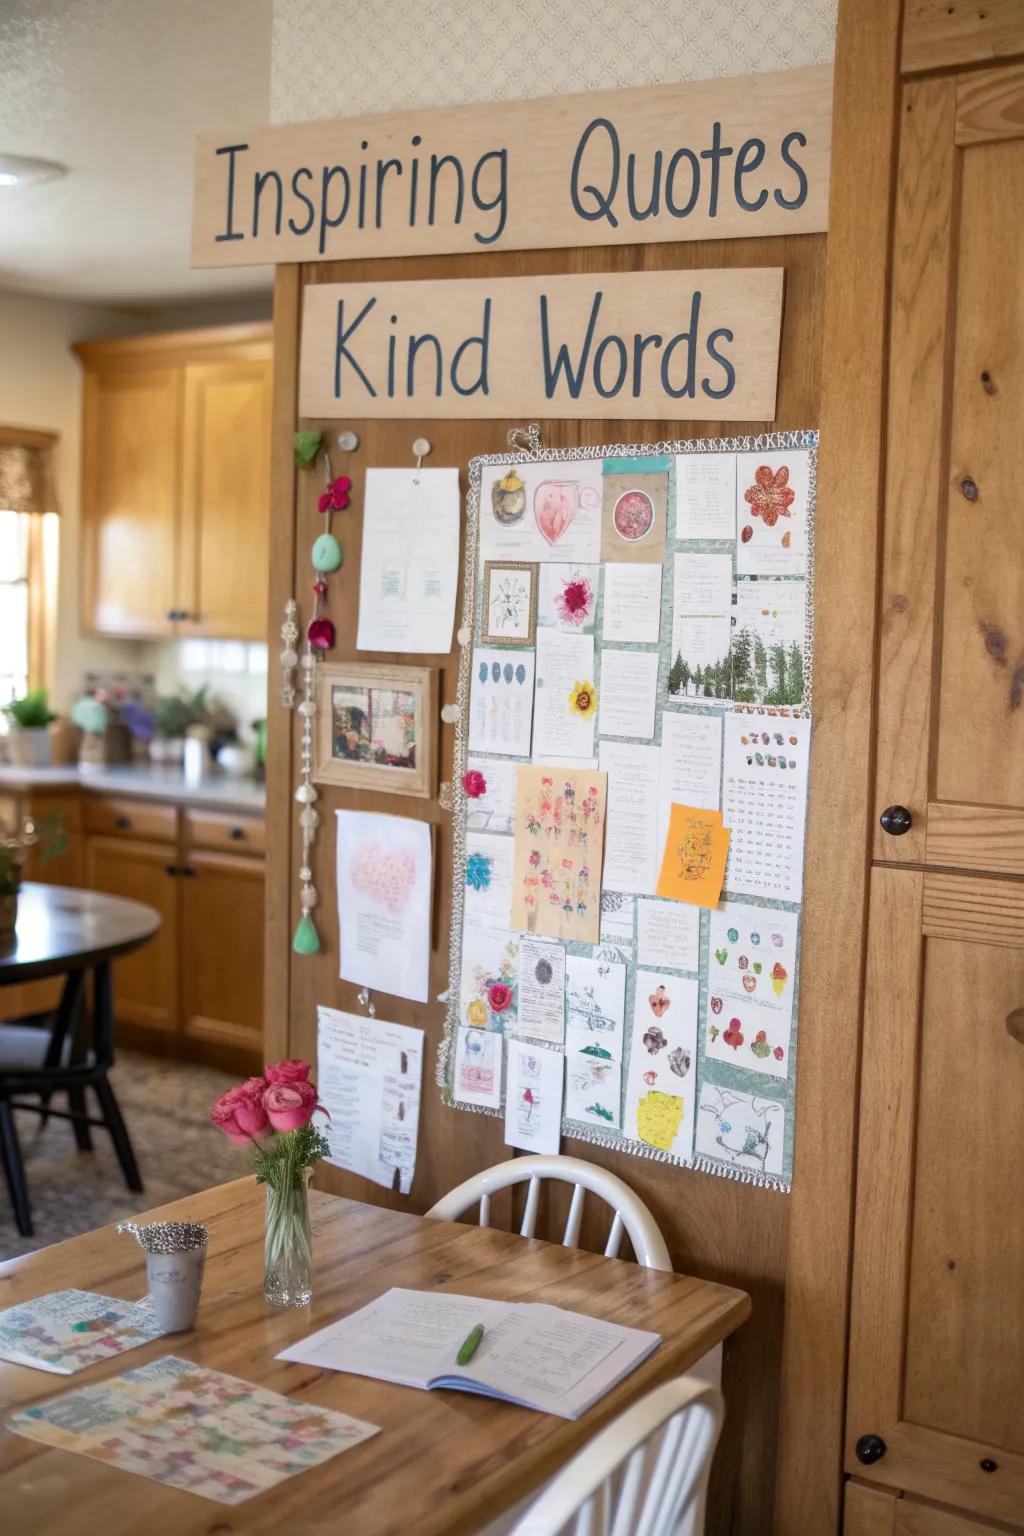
[307,446]
[326,553]
[306,940]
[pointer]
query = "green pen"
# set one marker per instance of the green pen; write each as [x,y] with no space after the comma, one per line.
[470,1345]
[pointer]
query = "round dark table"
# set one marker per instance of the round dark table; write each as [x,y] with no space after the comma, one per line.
[66,932]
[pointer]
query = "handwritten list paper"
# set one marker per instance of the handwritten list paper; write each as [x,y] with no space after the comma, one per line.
[764,803]
[632,603]
[706,496]
[533,1097]
[668,934]
[369,1075]
[631,851]
[409,567]
[563,722]
[691,764]
[384,877]
[629,692]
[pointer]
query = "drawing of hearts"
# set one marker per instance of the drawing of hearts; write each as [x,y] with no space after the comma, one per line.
[733,1035]
[660,1002]
[749,983]
[555,503]
[778,1053]
[650,1078]
[755,938]
[758,967]
[742,962]
[777,940]
[732,935]
[721,955]
[716,1005]
[679,1061]
[759,1045]
[654,1040]
[387,878]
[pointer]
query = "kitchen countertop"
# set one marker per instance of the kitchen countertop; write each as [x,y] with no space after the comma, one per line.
[217,793]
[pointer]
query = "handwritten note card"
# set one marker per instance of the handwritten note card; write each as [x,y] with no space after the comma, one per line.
[629,692]
[369,1074]
[706,496]
[668,934]
[631,844]
[632,604]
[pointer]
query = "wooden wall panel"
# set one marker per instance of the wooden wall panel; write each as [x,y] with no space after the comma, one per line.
[715,1227]
[941,33]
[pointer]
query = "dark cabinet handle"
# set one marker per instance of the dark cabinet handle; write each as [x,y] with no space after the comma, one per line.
[236,834]
[122,821]
[1015,1025]
[869,1449]
[171,869]
[188,872]
[896,820]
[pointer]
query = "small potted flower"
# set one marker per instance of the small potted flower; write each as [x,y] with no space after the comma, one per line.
[15,846]
[273,1116]
[173,716]
[28,720]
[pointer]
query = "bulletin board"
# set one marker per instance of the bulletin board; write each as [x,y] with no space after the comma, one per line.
[709,999]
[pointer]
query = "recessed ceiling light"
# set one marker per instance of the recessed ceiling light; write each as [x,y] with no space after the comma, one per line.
[26,170]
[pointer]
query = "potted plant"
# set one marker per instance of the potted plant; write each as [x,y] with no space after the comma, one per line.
[29,720]
[15,844]
[173,715]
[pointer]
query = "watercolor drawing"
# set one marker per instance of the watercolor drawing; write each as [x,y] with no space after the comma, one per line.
[559,848]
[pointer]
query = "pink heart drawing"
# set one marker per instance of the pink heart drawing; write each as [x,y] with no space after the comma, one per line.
[387,878]
[555,504]
[749,983]
[659,1001]
[716,1005]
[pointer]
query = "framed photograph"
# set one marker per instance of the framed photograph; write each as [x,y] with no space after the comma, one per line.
[509,612]
[375,727]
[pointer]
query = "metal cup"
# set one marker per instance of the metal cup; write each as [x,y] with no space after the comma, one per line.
[175,1259]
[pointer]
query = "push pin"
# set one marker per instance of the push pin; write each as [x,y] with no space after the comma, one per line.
[348,442]
[421,447]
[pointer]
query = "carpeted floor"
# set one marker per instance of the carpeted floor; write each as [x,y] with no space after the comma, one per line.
[166,1105]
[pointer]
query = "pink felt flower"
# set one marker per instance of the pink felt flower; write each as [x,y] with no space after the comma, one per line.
[335,498]
[290,1106]
[291,1070]
[474,783]
[320,634]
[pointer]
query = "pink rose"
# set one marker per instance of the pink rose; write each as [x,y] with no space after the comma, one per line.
[290,1106]
[291,1070]
[499,996]
[240,1114]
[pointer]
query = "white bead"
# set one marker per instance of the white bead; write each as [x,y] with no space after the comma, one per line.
[289,658]
[309,819]
[305,874]
[308,661]
[450,713]
[306,794]
[463,636]
[307,709]
[307,898]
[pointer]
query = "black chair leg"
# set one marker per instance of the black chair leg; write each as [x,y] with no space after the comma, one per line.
[80,1109]
[14,1170]
[114,1122]
[66,1021]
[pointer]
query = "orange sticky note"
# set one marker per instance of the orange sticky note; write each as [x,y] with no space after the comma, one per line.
[693,863]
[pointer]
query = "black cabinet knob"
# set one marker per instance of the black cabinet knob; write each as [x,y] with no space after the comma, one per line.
[236,834]
[123,822]
[896,820]
[869,1449]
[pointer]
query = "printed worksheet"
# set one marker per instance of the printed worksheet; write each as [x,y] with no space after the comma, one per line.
[541,512]
[533,1097]
[660,1097]
[632,851]
[632,603]
[541,991]
[409,566]
[772,498]
[751,982]
[705,496]
[384,879]
[369,1075]
[701,627]
[629,692]
[764,803]
[668,934]
[501,702]
[565,698]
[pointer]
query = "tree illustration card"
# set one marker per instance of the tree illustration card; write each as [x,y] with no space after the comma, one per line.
[501,702]
[768,636]
[568,597]
[764,802]
[701,627]
[478,1063]
[595,1006]
[741,1129]
[559,846]
[541,512]
[772,499]
[660,1097]
[751,981]
[488,994]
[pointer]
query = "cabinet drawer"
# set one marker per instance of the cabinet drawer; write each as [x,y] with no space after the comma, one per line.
[226,834]
[64,810]
[132,818]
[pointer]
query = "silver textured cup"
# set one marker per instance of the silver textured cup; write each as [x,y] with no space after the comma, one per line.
[175,1259]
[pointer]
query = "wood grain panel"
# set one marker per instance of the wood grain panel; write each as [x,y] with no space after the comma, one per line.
[990,105]
[916,1519]
[975,837]
[221,931]
[968,907]
[868,1511]
[131,818]
[922,224]
[938,34]
[146,983]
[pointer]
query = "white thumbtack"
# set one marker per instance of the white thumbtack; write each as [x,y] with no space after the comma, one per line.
[421,447]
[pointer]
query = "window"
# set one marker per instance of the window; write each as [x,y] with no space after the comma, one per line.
[28,560]
[14,604]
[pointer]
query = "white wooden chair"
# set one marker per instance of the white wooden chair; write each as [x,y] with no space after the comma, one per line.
[630,1214]
[646,1474]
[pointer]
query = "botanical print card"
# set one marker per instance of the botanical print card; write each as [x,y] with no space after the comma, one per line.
[769,626]
[478,1063]
[501,702]
[541,991]
[751,981]
[489,981]
[68,1330]
[568,597]
[509,609]
[660,1095]
[533,1097]
[489,858]
[706,496]
[384,878]
[668,934]
[595,1006]
[544,511]
[629,693]
[691,764]
[634,516]
[764,802]
[701,627]
[632,850]
[189,1427]
[491,800]
[565,699]
[559,846]
[742,1129]
[632,604]
[593,1091]
[772,498]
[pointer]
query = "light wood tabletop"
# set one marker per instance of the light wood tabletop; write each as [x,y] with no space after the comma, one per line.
[443,1463]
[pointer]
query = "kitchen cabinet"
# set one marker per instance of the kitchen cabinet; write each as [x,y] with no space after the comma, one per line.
[221,941]
[175,483]
[146,982]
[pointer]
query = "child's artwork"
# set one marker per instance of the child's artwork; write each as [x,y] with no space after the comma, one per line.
[490,978]
[541,992]
[634,518]
[741,1129]
[542,512]
[478,1062]
[510,603]
[693,861]
[568,597]
[384,877]
[751,982]
[501,702]
[764,802]
[617,919]
[595,1006]
[490,786]
[593,1090]
[660,1098]
[68,1330]
[772,498]
[769,627]
[192,1428]
[559,845]
[488,880]
[533,1097]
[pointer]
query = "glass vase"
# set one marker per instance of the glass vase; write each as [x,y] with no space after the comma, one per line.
[288,1248]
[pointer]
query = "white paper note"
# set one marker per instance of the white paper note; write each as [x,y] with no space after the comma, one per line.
[478,1067]
[369,1075]
[495,809]
[501,702]
[541,993]
[533,1097]
[384,873]
[764,804]
[488,880]
[660,1106]
[593,1091]
[772,497]
[629,691]
[691,764]
[701,626]
[409,569]
[751,982]
[631,848]
[742,1129]
[632,603]
[595,1006]
[668,934]
[563,661]
[568,597]
[706,496]
[545,512]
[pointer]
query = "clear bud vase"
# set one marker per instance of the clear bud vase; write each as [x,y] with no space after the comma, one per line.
[288,1252]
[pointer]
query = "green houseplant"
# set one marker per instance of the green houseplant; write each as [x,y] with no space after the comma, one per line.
[15,843]
[173,715]
[28,720]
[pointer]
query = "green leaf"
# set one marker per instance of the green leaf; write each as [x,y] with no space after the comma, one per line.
[307,446]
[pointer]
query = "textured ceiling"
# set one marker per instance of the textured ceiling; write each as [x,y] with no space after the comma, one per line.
[117,90]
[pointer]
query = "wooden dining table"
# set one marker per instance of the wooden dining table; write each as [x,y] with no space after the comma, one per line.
[443,1463]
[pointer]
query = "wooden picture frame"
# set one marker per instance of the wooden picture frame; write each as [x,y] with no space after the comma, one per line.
[515,630]
[356,730]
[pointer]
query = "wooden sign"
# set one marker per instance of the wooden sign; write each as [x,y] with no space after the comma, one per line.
[659,345]
[709,159]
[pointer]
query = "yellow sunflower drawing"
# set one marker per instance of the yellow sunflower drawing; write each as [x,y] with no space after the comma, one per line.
[583,700]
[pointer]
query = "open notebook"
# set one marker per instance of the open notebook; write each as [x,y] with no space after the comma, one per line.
[531,1354]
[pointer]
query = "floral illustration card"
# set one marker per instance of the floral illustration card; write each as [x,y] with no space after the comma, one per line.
[490,978]
[193,1428]
[488,879]
[509,612]
[772,498]
[568,597]
[541,512]
[751,981]
[662,1063]
[501,702]
[742,1129]
[68,1330]
[559,846]
[491,797]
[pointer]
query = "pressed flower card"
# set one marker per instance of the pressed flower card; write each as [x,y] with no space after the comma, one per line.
[568,597]
[559,846]
[772,498]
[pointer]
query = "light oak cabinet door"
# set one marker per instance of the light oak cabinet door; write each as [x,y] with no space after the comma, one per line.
[226,498]
[131,432]
[146,982]
[222,949]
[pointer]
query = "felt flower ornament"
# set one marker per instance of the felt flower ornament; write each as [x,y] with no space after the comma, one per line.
[583,700]
[474,784]
[320,634]
[771,496]
[335,498]
[478,871]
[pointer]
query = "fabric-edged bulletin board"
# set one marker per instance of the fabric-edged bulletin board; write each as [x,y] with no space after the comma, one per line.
[635,668]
